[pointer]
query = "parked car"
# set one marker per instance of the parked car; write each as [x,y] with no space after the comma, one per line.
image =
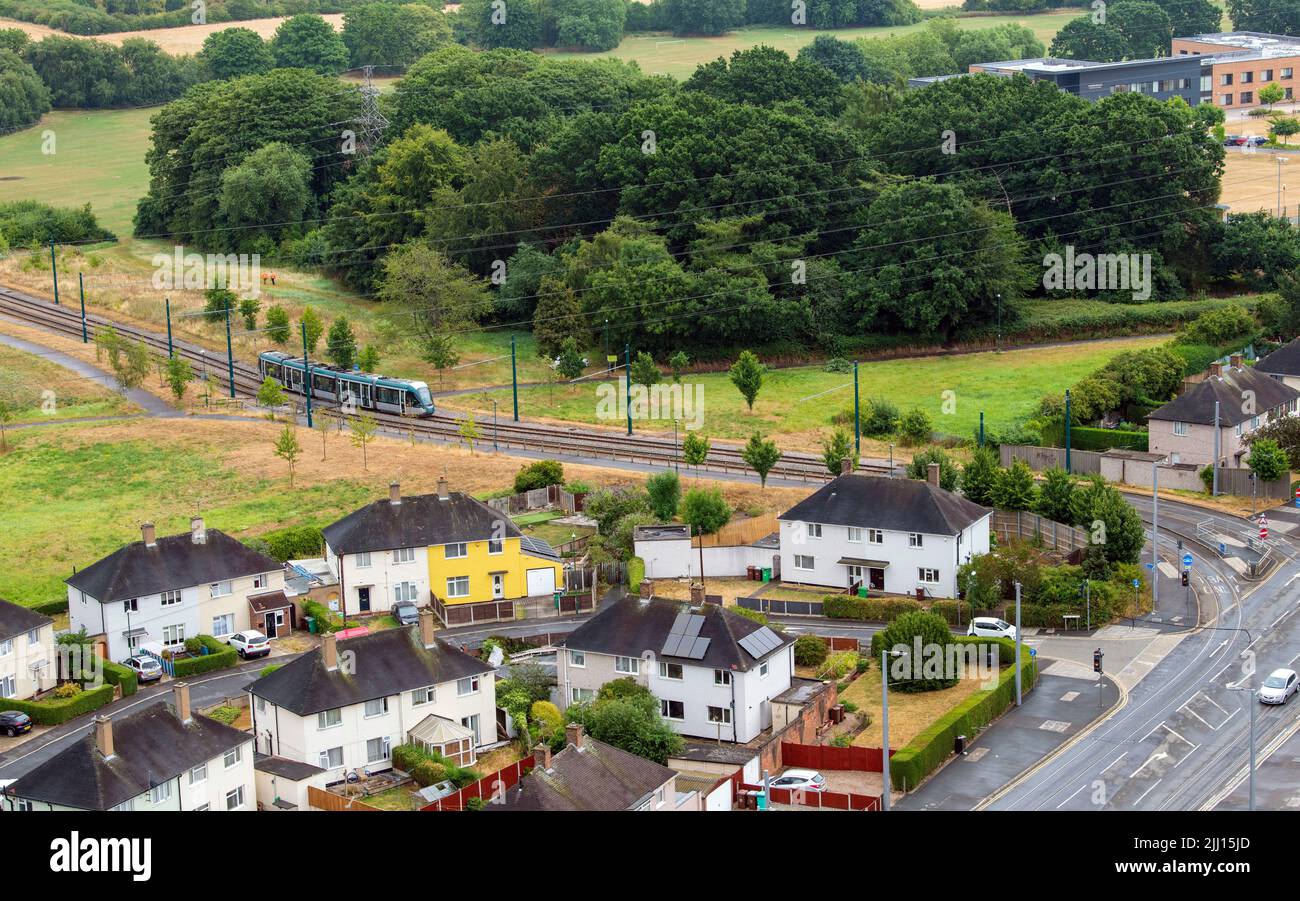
[406,613]
[1234,140]
[13,722]
[808,780]
[146,668]
[1280,685]
[1256,141]
[251,643]
[991,627]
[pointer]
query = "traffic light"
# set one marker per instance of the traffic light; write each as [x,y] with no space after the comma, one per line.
[1185,578]
[1096,660]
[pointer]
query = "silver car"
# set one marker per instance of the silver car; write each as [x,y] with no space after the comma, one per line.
[1280,685]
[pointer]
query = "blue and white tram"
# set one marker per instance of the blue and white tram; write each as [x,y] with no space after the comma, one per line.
[347,386]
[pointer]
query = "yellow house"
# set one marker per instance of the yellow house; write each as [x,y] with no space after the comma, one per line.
[447,550]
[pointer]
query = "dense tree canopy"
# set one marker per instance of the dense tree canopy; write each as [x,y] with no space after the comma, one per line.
[233,52]
[309,42]
[393,35]
[23,96]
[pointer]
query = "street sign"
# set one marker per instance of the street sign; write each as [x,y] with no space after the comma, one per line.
[1137,583]
[1223,549]
[1150,566]
[1187,561]
[1297,497]
[1033,652]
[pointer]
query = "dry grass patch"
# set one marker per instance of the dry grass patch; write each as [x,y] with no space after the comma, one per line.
[910,713]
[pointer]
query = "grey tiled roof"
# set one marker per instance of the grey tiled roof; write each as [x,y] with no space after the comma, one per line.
[877,502]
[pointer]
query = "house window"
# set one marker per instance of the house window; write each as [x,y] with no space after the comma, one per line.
[170,597]
[404,555]
[455,551]
[34,637]
[578,658]
[223,625]
[672,710]
[378,749]
[1247,77]
[495,545]
[875,536]
[814,530]
[331,759]
[131,606]
[174,634]
[363,560]
[670,671]
[404,591]
[261,705]
[467,686]
[1180,428]
[160,793]
[471,723]
[328,719]
[762,671]
[22,805]
[925,574]
[8,687]
[128,804]
[804,562]
[235,798]
[719,714]
[220,589]
[630,666]
[580,695]
[458,587]
[1247,96]
[423,696]
[721,677]
[201,808]
[915,539]
[855,535]
[1238,429]
[1266,75]
[1286,73]
[1225,79]
[6,647]
[1225,100]
[259,581]
[377,707]
[199,774]
[233,756]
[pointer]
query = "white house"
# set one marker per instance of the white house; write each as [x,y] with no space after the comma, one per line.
[165,590]
[345,706]
[27,663]
[714,672]
[164,757]
[894,535]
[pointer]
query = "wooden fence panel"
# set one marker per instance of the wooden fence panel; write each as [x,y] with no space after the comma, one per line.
[323,800]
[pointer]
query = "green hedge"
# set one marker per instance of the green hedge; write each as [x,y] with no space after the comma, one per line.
[326,619]
[219,656]
[928,750]
[635,574]
[117,674]
[949,611]
[55,711]
[1087,438]
[847,606]
[51,608]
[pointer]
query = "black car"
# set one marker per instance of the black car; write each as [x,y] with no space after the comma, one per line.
[406,613]
[12,723]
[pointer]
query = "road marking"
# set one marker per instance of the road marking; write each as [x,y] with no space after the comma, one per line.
[1071,798]
[1155,755]
[1184,709]
[1113,762]
[1148,791]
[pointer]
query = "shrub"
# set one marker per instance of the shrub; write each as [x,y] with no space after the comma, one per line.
[914,427]
[224,714]
[405,757]
[635,574]
[59,710]
[539,475]
[65,690]
[839,665]
[267,670]
[809,650]
[475,804]
[932,631]
[293,543]
[428,771]
[219,656]
[845,606]
[117,674]
[51,608]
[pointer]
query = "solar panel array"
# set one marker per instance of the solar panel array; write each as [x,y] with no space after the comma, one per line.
[684,638]
[760,642]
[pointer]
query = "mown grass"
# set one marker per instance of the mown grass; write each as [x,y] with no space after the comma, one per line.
[43,391]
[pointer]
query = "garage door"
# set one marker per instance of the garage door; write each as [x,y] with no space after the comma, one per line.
[541,581]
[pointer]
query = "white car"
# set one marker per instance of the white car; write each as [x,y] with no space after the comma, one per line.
[991,627]
[1280,685]
[808,780]
[250,644]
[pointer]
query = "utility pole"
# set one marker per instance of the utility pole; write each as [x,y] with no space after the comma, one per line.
[514,376]
[1067,429]
[857,417]
[306,373]
[1155,536]
[494,425]
[886,788]
[981,428]
[1214,464]
[170,350]
[81,286]
[230,355]
[627,385]
[54,270]
[1017,644]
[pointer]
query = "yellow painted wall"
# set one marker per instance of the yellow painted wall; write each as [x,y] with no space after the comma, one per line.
[479,565]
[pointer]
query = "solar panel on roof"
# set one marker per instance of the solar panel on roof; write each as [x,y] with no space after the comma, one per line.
[672,645]
[698,648]
[694,624]
[760,642]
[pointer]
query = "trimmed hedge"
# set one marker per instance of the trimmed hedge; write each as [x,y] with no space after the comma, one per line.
[635,574]
[924,753]
[117,674]
[55,711]
[51,608]
[847,606]
[219,656]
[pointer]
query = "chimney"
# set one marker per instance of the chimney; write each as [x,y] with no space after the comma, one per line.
[932,474]
[542,757]
[697,594]
[198,534]
[442,489]
[647,589]
[104,736]
[1235,361]
[182,691]
[394,493]
[148,534]
[426,628]
[329,649]
[1216,369]
[846,466]
[573,734]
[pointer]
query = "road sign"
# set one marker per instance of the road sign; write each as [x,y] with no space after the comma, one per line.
[1137,583]
[1150,566]
[1187,561]
[1297,497]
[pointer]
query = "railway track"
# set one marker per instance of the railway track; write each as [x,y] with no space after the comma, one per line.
[571,441]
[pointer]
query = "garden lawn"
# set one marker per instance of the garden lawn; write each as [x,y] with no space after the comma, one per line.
[44,391]
[910,713]
[799,401]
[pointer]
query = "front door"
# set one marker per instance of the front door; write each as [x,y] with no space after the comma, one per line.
[498,585]
[363,599]
[855,575]
[877,577]
[269,625]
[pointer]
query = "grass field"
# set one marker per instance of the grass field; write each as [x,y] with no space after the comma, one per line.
[910,713]
[46,391]
[661,53]
[798,402]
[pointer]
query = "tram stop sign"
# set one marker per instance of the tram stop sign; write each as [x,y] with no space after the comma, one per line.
[1187,561]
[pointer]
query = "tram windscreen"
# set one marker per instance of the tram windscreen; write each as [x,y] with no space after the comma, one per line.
[423,394]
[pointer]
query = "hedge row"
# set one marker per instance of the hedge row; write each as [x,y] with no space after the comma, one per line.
[326,619]
[1086,438]
[924,753]
[51,608]
[219,656]
[957,613]
[117,674]
[635,574]
[54,711]
[847,606]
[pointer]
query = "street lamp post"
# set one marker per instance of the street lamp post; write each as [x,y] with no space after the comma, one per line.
[1281,160]
[494,426]
[1155,537]
[886,789]
[1017,644]
[891,460]
[1253,703]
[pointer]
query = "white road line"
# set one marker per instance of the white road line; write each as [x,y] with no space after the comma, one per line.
[1113,762]
[1179,737]
[1184,709]
[1147,792]
[1071,798]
